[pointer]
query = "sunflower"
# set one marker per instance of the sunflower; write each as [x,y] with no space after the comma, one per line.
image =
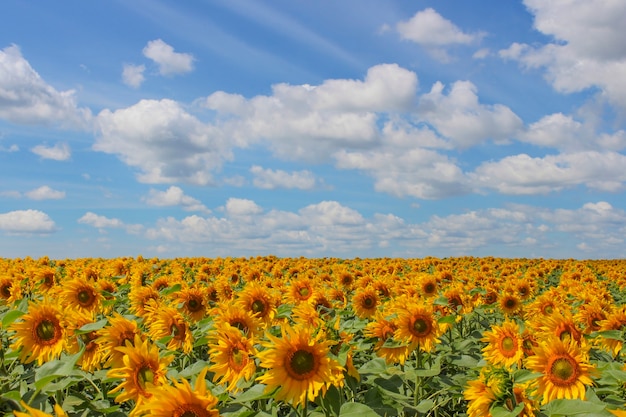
[386,347]
[561,325]
[166,321]
[33,412]
[564,367]
[232,354]
[300,290]
[10,290]
[244,320]
[428,285]
[298,365]
[480,398]
[140,297]
[616,320]
[81,294]
[193,302]
[114,335]
[91,359]
[510,303]
[180,400]
[259,300]
[504,345]
[40,333]
[365,302]
[142,368]
[416,325]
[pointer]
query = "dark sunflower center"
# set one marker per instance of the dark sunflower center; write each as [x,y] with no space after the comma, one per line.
[241,325]
[194,305]
[5,290]
[523,291]
[85,297]
[304,292]
[369,302]
[510,303]
[548,309]
[177,330]
[258,306]
[46,330]
[237,358]
[563,370]
[190,410]
[429,288]
[302,362]
[421,327]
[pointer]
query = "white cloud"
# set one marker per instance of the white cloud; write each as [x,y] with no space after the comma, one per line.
[103,222]
[460,117]
[588,48]
[12,148]
[58,152]
[45,193]
[432,31]
[523,174]
[270,179]
[329,227]
[174,196]
[165,142]
[27,99]
[26,222]
[132,75]
[169,62]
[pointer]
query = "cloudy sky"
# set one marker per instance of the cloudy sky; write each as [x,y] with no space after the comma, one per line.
[356,128]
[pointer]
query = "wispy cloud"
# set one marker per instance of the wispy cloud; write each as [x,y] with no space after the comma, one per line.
[57,152]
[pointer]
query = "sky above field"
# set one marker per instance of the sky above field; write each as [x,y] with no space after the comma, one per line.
[354,128]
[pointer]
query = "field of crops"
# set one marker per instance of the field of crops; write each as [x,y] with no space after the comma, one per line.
[271,336]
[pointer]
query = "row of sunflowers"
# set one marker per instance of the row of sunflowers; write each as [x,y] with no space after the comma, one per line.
[271,336]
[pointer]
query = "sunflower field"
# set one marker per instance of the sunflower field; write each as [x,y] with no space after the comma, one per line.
[322,337]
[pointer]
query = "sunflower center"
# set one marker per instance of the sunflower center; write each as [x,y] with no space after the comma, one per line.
[429,288]
[258,306]
[85,297]
[508,346]
[46,331]
[145,375]
[421,327]
[177,330]
[563,371]
[5,291]
[368,302]
[303,291]
[510,303]
[194,305]
[190,410]
[301,364]
[237,358]
[241,325]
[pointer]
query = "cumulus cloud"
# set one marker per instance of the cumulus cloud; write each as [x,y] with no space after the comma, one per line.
[103,222]
[162,140]
[174,196]
[169,62]
[328,227]
[26,98]
[588,48]
[523,174]
[132,75]
[45,193]
[57,152]
[26,222]
[270,179]
[431,30]
[460,117]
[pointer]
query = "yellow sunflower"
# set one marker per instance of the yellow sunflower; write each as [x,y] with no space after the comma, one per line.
[140,297]
[504,344]
[365,302]
[616,320]
[10,290]
[193,302]
[510,303]
[298,365]
[180,400]
[244,320]
[259,300]
[33,412]
[416,324]
[119,330]
[91,359]
[166,321]
[232,354]
[40,333]
[386,347]
[142,368]
[565,368]
[81,294]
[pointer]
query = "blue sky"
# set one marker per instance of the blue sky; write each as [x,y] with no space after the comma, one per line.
[358,128]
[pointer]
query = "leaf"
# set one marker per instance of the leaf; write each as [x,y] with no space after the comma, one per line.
[425,406]
[564,407]
[10,317]
[56,369]
[356,410]
[499,411]
[90,327]
[257,392]
[447,320]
